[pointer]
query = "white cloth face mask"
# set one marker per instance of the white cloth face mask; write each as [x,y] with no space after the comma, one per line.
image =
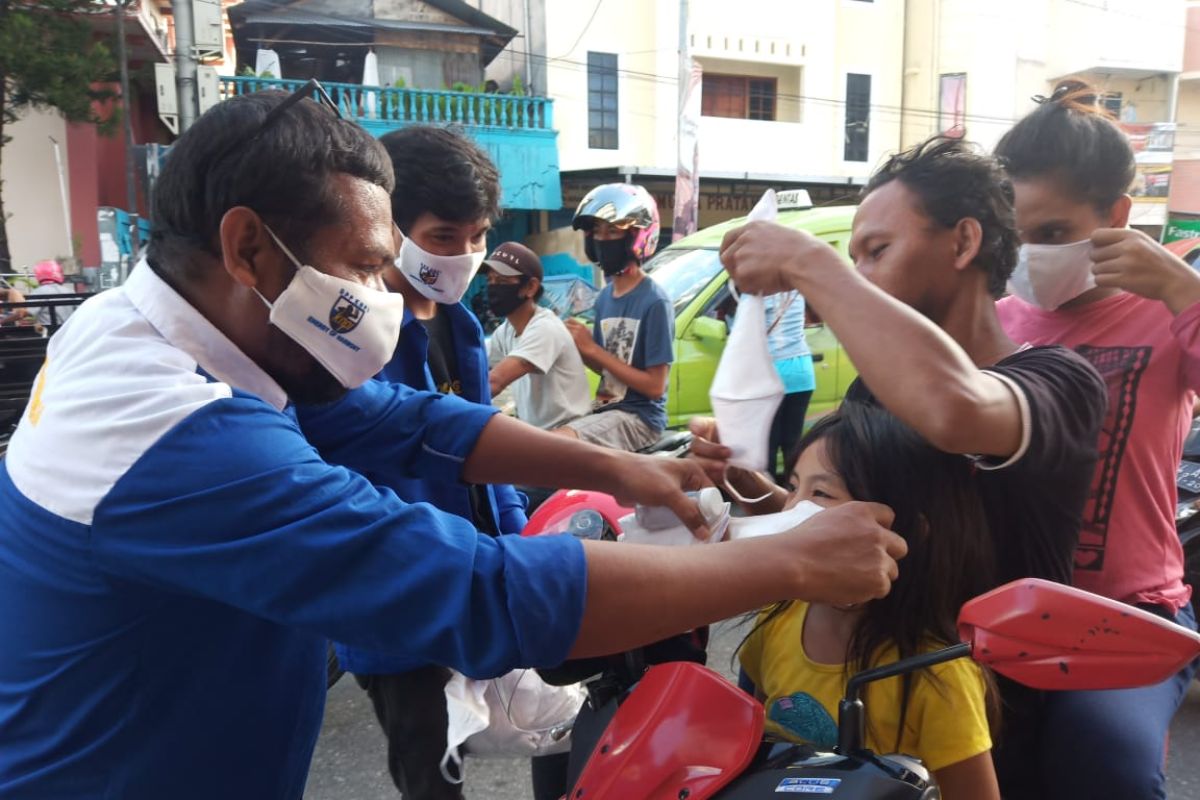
[350,329]
[1048,275]
[442,279]
[746,390]
[769,524]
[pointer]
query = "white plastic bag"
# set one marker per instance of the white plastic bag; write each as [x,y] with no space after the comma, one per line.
[515,715]
[746,390]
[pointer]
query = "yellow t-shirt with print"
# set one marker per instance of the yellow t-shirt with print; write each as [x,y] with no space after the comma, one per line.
[946,721]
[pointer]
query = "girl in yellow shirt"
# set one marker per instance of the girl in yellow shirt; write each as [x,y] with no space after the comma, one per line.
[799,656]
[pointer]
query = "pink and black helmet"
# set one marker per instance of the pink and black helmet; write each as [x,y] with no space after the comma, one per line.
[627,206]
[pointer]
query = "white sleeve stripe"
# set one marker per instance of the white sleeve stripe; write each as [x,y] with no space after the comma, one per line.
[1026,423]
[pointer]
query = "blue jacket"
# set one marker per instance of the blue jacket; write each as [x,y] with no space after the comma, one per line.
[174,552]
[410,366]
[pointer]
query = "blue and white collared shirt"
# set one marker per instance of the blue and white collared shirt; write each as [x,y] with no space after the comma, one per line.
[174,552]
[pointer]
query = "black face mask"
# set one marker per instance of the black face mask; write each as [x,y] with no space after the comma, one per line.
[504,298]
[611,254]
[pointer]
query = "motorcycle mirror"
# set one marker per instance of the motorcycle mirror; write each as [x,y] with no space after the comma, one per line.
[1049,636]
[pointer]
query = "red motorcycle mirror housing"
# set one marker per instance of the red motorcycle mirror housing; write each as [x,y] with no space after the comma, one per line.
[1050,636]
[684,732]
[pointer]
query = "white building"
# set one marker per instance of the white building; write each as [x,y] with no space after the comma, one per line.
[814,94]
[979,65]
[793,95]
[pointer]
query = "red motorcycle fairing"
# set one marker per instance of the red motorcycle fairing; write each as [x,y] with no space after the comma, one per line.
[554,515]
[684,731]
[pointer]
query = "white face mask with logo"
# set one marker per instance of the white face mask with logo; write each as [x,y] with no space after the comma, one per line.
[350,329]
[1048,275]
[442,279]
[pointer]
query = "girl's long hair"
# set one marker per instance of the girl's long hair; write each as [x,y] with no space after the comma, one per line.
[951,556]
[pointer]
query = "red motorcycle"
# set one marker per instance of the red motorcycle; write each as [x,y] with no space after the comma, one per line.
[679,731]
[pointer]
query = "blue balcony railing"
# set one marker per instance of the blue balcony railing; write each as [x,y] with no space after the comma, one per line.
[393,107]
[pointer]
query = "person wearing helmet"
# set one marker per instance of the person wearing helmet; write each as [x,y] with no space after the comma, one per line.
[49,275]
[630,341]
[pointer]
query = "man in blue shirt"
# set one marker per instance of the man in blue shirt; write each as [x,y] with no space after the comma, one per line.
[631,342]
[175,550]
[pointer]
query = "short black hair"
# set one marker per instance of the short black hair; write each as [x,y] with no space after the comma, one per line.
[954,180]
[282,172]
[1071,139]
[441,171]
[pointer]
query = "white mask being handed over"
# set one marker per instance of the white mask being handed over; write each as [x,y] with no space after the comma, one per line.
[350,329]
[1048,275]
[746,390]
[442,279]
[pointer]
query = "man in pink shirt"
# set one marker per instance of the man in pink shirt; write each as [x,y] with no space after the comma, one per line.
[1132,309]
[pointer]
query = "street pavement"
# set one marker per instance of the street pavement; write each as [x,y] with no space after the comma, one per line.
[350,764]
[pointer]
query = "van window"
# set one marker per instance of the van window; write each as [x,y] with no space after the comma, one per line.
[684,272]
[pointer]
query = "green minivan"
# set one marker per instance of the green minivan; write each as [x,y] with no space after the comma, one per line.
[690,272]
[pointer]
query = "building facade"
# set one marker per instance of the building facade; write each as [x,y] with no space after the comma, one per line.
[791,96]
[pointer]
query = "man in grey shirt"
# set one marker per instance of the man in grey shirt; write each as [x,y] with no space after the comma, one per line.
[532,350]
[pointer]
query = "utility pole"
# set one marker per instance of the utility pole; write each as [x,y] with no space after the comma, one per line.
[62,193]
[687,172]
[131,198]
[185,62]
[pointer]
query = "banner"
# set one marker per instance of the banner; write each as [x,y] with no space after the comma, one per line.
[687,176]
[1178,229]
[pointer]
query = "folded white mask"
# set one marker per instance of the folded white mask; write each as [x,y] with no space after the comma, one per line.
[746,390]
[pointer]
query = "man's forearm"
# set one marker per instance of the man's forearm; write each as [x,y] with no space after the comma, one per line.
[591,362]
[637,595]
[1184,294]
[687,587]
[637,379]
[914,368]
[509,451]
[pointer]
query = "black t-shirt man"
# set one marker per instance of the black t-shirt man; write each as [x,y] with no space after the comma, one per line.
[1033,502]
[1034,499]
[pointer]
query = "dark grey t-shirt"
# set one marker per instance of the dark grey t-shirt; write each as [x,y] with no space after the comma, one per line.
[1034,502]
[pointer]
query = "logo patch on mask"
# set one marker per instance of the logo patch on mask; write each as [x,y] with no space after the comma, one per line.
[428,275]
[346,312]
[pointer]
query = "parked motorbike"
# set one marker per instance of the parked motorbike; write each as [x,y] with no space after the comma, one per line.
[685,733]
[658,724]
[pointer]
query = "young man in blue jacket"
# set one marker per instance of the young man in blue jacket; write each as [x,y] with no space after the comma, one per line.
[175,549]
[447,194]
